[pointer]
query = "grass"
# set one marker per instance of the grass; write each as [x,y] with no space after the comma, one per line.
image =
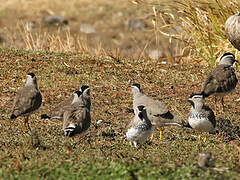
[64,59]
[104,153]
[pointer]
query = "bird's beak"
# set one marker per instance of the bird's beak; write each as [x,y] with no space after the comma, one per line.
[189,100]
[236,61]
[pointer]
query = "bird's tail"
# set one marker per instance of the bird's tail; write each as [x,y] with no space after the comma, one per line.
[13,117]
[45,116]
[204,94]
[69,131]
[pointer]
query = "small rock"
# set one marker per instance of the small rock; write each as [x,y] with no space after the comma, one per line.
[1,39]
[155,54]
[30,26]
[71,72]
[99,121]
[206,160]
[55,20]
[163,70]
[88,29]
[136,24]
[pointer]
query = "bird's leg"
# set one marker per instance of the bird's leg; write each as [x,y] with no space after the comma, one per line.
[135,144]
[236,53]
[27,127]
[199,137]
[204,139]
[222,101]
[151,138]
[160,133]
[215,106]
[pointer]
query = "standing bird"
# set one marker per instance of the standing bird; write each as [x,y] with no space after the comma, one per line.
[141,129]
[201,117]
[157,112]
[28,100]
[58,111]
[222,80]
[76,118]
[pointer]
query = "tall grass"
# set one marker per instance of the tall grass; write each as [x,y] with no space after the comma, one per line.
[186,31]
[201,23]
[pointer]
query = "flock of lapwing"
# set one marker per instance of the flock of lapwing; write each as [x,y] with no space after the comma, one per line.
[149,113]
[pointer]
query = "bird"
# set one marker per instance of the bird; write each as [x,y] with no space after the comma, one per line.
[232,31]
[27,101]
[139,131]
[157,112]
[222,80]
[76,118]
[201,117]
[58,111]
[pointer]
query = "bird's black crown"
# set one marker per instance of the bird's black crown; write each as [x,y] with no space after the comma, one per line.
[84,87]
[31,74]
[140,108]
[137,85]
[227,54]
[79,93]
[201,95]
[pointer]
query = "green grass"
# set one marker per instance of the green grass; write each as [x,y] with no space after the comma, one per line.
[104,153]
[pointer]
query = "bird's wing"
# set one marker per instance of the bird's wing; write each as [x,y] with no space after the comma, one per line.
[221,79]
[210,115]
[59,109]
[79,116]
[157,108]
[27,100]
[134,121]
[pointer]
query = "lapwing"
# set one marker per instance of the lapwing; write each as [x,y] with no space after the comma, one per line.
[157,112]
[222,80]
[58,111]
[27,101]
[76,118]
[139,131]
[201,117]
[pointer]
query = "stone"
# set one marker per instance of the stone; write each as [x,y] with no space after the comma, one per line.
[136,24]
[55,20]
[88,29]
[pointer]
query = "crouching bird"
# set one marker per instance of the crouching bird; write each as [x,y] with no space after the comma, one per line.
[76,118]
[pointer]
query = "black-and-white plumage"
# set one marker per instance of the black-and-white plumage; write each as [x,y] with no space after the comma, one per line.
[86,96]
[28,100]
[139,131]
[222,80]
[76,119]
[201,117]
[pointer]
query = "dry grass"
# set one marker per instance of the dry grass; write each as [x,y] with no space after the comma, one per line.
[185,31]
[202,23]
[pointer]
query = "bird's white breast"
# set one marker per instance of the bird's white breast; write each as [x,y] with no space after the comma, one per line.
[134,134]
[200,122]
